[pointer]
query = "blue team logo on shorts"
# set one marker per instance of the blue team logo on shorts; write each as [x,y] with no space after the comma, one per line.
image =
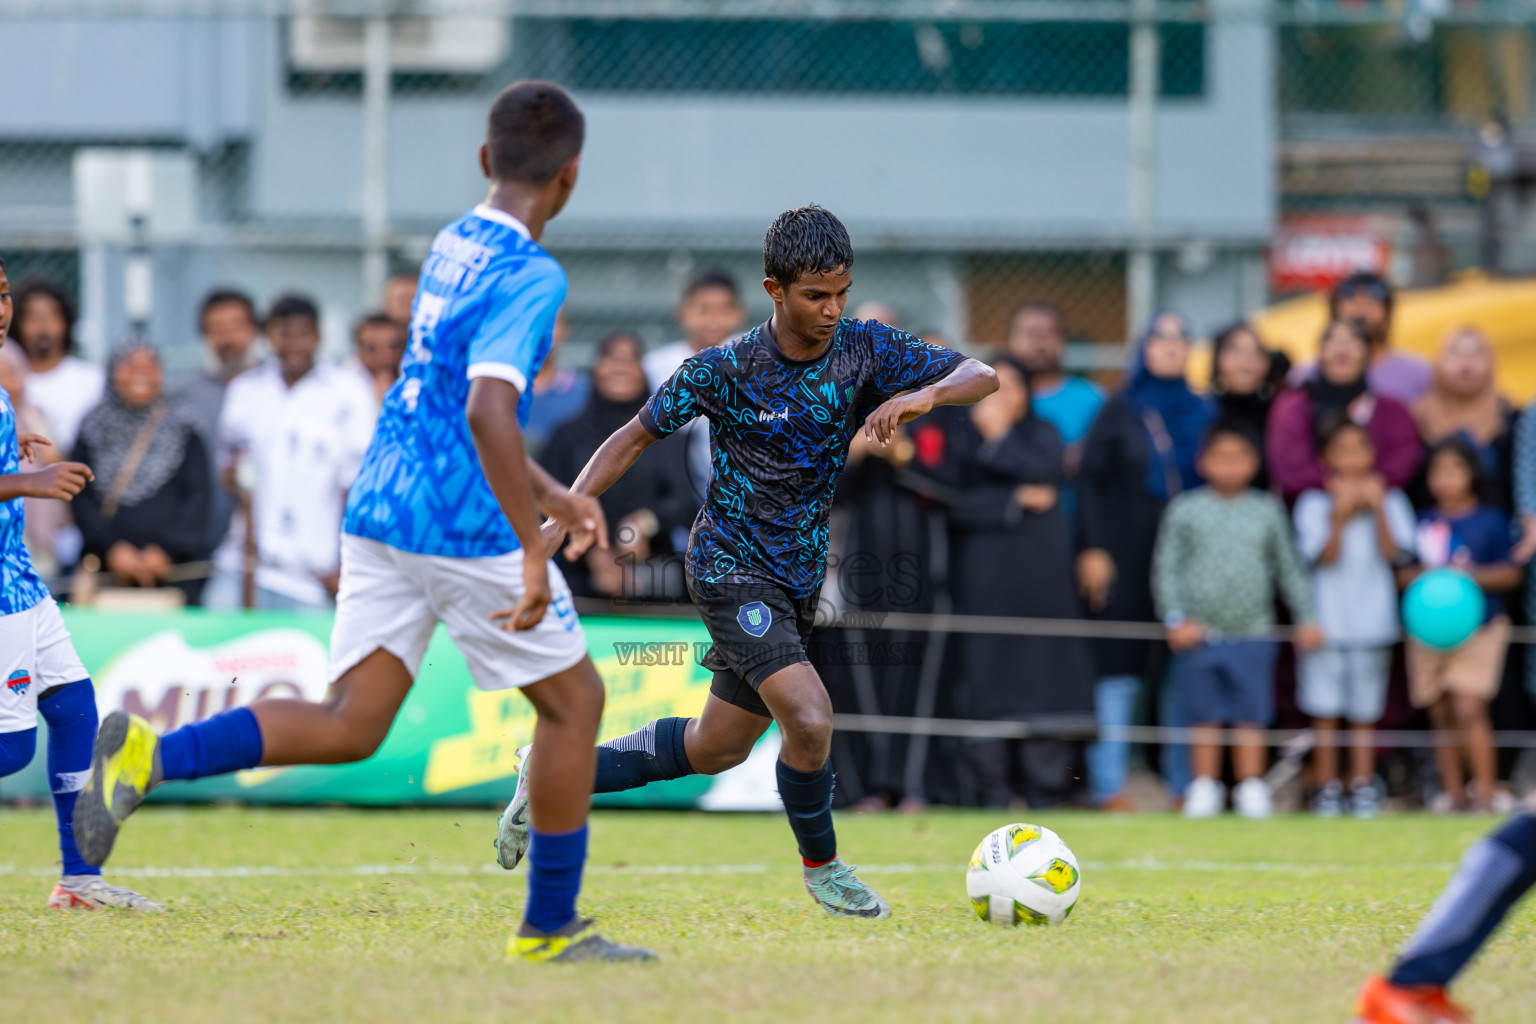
[18,681]
[755,618]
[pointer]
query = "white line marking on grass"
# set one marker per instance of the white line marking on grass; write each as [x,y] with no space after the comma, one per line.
[464,870]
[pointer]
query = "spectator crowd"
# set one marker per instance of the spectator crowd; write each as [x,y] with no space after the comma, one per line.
[1306,495]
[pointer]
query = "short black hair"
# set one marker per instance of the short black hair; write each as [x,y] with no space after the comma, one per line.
[1334,423]
[1045,306]
[712,279]
[292,305]
[612,341]
[807,240]
[226,297]
[1364,281]
[36,288]
[534,128]
[1461,448]
[377,318]
[1231,427]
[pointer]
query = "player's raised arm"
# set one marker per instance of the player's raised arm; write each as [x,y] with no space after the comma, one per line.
[969,382]
[673,405]
[577,514]
[611,461]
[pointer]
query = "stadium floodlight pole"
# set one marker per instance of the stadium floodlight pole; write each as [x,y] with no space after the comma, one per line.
[1141,267]
[375,191]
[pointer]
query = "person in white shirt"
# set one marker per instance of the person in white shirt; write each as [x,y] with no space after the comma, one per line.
[292,434]
[709,312]
[61,385]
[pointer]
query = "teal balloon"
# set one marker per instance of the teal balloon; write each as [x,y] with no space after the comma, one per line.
[1443,608]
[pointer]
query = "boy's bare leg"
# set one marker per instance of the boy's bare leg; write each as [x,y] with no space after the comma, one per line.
[348,725]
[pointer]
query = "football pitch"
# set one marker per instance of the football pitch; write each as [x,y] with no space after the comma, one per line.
[321,915]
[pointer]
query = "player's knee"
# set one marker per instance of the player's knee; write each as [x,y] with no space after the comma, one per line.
[808,728]
[16,750]
[577,701]
[719,759]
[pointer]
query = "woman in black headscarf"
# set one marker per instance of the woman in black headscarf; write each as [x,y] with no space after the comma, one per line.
[1245,377]
[147,510]
[1339,387]
[1011,555]
[646,504]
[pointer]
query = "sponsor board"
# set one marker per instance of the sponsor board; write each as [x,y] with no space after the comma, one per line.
[451,743]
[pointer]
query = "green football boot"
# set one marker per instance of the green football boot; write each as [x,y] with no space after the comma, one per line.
[839,891]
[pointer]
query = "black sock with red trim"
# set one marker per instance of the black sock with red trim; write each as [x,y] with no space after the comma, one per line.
[807,800]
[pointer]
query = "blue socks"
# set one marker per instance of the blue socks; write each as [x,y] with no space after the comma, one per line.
[16,750]
[555,860]
[227,742]
[70,712]
[651,754]
[1494,874]
[807,800]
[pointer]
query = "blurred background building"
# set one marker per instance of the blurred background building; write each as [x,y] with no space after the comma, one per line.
[1112,156]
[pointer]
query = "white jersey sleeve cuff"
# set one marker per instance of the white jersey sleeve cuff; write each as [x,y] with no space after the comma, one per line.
[501,371]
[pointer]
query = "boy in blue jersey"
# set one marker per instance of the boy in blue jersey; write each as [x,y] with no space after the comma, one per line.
[783,403]
[442,525]
[38,664]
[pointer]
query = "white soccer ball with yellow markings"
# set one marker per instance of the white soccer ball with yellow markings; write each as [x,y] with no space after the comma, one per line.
[1023,874]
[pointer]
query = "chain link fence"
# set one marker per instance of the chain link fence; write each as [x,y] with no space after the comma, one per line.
[1109,157]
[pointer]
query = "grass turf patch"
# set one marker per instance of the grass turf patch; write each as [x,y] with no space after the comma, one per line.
[283,915]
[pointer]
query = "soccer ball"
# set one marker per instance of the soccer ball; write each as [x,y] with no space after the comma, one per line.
[1023,874]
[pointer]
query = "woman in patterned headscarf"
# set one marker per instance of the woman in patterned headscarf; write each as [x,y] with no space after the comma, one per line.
[148,507]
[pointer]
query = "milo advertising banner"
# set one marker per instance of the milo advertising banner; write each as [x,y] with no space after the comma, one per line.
[451,744]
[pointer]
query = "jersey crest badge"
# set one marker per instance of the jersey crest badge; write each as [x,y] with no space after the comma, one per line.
[19,680]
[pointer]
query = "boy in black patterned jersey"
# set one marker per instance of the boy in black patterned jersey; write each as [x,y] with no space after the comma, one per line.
[783,403]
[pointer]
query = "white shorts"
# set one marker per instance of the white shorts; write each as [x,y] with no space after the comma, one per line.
[1344,682]
[393,600]
[36,654]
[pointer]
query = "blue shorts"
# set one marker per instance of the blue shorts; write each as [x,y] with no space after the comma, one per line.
[1226,682]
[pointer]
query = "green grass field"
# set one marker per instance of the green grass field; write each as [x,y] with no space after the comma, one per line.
[280,915]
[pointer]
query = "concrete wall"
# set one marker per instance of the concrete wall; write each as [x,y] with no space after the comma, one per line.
[668,181]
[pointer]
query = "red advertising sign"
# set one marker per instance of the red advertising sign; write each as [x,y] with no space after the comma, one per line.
[1318,252]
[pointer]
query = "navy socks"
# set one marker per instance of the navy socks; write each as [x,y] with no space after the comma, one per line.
[227,742]
[807,800]
[1493,875]
[651,754]
[555,860]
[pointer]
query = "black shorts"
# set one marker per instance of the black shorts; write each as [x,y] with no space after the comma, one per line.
[757,628]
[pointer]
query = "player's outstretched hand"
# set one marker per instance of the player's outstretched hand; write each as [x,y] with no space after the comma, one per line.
[28,444]
[536,597]
[580,516]
[63,481]
[881,426]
